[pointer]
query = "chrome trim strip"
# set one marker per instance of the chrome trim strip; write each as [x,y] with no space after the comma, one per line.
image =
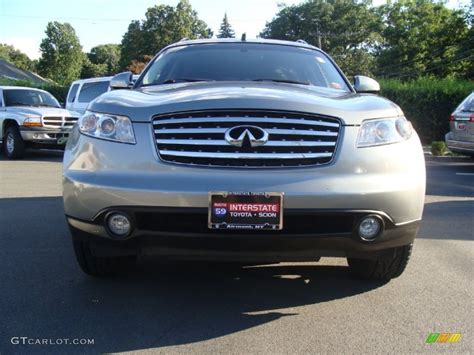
[225,144]
[245,119]
[245,155]
[223,130]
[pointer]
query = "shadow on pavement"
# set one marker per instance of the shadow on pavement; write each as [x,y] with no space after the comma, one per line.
[38,155]
[45,295]
[450,177]
[459,215]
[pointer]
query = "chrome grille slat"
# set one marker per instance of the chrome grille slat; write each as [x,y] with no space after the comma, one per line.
[199,138]
[247,120]
[245,155]
[223,143]
[296,132]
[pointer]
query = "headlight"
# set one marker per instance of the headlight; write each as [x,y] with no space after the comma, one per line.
[32,121]
[384,131]
[109,127]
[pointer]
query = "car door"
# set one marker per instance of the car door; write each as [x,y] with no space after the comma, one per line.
[72,96]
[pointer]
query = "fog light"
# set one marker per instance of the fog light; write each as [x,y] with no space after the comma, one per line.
[119,224]
[370,227]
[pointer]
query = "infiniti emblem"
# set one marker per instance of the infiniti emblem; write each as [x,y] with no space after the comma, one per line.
[246,136]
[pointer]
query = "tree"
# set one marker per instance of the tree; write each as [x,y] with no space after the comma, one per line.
[137,65]
[346,29]
[62,56]
[92,70]
[107,55]
[16,57]
[422,37]
[467,46]
[162,26]
[226,30]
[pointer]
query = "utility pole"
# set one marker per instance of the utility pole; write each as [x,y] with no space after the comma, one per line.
[318,33]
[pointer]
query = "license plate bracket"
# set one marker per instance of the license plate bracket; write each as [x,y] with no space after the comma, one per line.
[245,210]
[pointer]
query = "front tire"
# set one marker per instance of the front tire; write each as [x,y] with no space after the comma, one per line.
[13,145]
[386,268]
[99,266]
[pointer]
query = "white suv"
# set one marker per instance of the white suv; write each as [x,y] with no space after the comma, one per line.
[84,91]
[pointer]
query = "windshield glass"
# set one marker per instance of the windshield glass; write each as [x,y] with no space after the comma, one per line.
[244,62]
[467,105]
[21,97]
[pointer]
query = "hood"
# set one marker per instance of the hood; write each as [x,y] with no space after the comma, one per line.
[142,104]
[42,111]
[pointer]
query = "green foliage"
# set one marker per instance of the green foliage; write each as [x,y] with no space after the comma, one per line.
[58,91]
[91,70]
[347,30]
[162,26]
[427,102]
[62,55]
[438,148]
[226,30]
[16,57]
[422,37]
[106,57]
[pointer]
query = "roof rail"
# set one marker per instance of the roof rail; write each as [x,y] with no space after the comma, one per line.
[301,41]
[184,39]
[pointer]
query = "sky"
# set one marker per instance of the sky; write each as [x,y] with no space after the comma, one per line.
[23,22]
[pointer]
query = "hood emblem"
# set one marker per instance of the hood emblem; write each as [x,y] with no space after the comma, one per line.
[246,136]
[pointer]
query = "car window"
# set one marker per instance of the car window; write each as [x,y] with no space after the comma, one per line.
[244,62]
[22,97]
[90,91]
[72,93]
[467,105]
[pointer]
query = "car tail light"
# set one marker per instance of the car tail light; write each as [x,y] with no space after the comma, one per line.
[472,117]
[451,117]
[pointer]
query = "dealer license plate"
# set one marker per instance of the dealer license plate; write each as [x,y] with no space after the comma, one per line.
[246,210]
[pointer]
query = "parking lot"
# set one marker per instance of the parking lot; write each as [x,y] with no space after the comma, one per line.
[176,308]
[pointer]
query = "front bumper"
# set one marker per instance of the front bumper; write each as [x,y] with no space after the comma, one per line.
[99,174]
[458,146]
[182,233]
[387,180]
[44,135]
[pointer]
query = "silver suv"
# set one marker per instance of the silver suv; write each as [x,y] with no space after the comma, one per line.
[244,151]
[460,138]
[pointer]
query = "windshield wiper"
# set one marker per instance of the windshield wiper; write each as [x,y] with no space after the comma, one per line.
[284,81]
[17,104]
[183,80]
[45,105]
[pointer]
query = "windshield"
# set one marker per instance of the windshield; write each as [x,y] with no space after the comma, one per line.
[21,97]
[467,105]
[244,62]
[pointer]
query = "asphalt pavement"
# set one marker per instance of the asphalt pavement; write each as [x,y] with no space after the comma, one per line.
[46,301]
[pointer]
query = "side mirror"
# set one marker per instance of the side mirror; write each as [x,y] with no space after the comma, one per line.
[364,84]
[121,81]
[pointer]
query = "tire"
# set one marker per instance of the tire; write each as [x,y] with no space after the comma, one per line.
[13,144]
[381,269]
[100,266]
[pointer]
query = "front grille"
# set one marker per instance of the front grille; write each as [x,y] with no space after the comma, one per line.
[59,121]
[302,222]
[199,138]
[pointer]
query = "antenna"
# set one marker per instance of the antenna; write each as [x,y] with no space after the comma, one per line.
[184,39]
[244,37]
[301,41]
